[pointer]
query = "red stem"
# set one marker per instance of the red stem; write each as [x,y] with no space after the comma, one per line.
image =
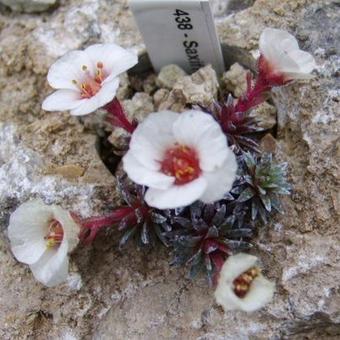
[117,116]
[92,225]
[254,95]
[102,221]
[266,79]
[218,260]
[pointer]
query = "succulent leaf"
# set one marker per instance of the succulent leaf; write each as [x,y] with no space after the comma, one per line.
[246,195]
[145,223]
[239,127]
[262,181]
[205,235]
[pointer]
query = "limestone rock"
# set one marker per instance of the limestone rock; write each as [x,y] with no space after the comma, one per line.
[269,144]
[145,84]
[124,90]
[29,6]
[69,171]
[222,8]
[119,138]
[173,103]
[149,84]
[139,106]
[25,167]
[235,80]
[200,88]
[83,22]
[159,97]
[265,116]
[169,75]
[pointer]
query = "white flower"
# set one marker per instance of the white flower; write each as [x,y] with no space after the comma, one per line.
[42,236]
[87,80]
[283,56]
[181,158]
[241,286]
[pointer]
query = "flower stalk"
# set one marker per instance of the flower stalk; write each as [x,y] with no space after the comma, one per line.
[117,117]
[255,94]
[92,225]
[257,90]
[280,62]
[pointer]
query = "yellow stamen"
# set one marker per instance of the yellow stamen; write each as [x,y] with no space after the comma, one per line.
[51,243]
[243,282]
[55,234]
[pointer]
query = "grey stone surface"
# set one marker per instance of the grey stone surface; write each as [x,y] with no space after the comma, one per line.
[169,75]
[200,88]
[235,80]
[306,241]
[29,6]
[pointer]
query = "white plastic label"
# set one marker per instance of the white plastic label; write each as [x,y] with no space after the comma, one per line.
[179,32]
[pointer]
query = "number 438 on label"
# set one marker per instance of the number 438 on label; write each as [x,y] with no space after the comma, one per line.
[183,19]
[179,32]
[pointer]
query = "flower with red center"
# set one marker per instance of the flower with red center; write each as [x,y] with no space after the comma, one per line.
[181,162]
[55,234]
[42,236]
[181,158]
[281,59]
[87,80]
[241,286]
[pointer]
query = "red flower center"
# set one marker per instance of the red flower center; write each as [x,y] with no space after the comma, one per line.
[55,234]
[91,86]
[271,76]
[243,282]
[182,163]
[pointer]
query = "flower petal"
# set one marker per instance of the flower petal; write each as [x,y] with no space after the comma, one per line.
[220,181]
[298,75]
[27,227]
[52,267]
[272,40]
[176,196]
[282,51]
[70,227]
[200,131]
[225,296]
[152,137]
[237,265]
[115,59]
[275,45]
[145,176]
[280,61]
[62,100]
[28,251]
[305,60]
[104,96]
[261,292]
[68,68]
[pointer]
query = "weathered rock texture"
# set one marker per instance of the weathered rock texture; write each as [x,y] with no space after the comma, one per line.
[29,6]
[302,246]
[133,295]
